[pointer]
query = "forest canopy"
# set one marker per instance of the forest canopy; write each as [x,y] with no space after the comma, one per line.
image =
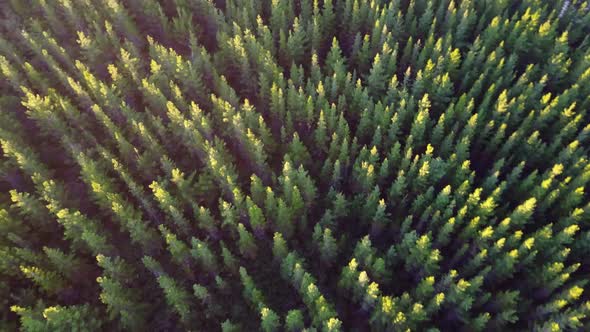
[294,165]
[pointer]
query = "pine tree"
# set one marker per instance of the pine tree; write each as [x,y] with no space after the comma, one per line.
[328,247]
[377,80]
[246,243]
[177,297]
[202,253]
[270,320]
[279,248]
[294,320]
[229,260]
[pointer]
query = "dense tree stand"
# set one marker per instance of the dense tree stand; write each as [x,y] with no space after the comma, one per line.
[294,165]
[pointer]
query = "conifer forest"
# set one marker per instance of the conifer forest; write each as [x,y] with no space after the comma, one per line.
[294,165]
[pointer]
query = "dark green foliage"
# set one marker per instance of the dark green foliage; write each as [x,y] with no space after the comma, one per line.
[294,165]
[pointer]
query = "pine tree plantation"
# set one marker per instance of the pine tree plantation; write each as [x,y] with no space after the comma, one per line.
[294,165]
